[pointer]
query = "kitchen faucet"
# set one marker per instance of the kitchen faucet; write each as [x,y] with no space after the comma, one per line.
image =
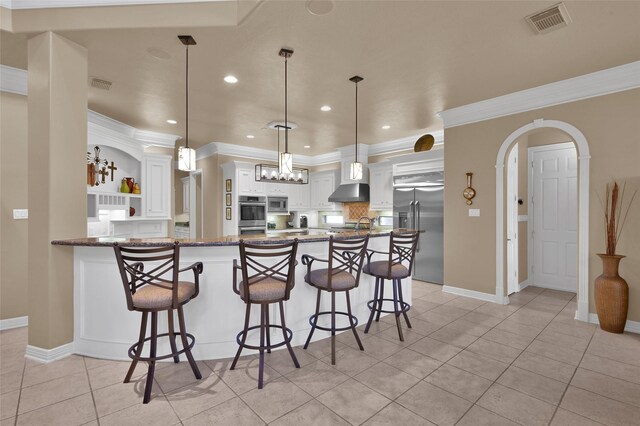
[372,222]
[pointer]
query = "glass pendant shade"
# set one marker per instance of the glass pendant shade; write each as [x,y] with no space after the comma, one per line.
[285,163]
[356,170]
[186,159]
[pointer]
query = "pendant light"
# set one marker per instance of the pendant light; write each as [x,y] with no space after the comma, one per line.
[186,155]
[356,166]
[284,171]
[285,160]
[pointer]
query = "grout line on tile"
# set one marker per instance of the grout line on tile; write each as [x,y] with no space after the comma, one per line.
[93,398]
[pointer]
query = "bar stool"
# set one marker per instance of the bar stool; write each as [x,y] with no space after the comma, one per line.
[346,257]
[402,249]
[269,274]
[155,291]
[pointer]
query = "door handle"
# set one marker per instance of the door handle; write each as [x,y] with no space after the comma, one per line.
[411,215]
[418,223]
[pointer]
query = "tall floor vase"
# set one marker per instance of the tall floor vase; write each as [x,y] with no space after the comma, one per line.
[612,295]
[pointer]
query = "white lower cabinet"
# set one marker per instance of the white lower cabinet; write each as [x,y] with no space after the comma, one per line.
[140,229]
[381,186]
[322,185]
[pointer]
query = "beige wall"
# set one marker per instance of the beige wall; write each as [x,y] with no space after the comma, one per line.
[13,194]
[611,126]
[57,110]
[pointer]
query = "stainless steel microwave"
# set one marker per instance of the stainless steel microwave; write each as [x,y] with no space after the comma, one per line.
[277,205]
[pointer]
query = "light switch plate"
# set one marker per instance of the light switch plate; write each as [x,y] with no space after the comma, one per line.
[474,212]
[20,213]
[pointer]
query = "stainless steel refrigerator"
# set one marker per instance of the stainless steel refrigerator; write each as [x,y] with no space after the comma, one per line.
[418,203]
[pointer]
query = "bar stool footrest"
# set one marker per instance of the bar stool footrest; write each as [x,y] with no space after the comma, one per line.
[313,319]
[134,347]
[372,303]
[269,347]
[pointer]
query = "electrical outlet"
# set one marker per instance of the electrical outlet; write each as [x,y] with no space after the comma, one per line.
[474,212]
[20,213]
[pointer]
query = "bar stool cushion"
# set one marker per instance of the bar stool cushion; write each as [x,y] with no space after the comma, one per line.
[262,289]
[340,281]
[381,269]
[155,297]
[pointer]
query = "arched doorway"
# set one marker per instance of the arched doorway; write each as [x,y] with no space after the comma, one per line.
[583,210]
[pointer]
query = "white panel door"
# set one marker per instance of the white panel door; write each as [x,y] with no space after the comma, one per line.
[555,218]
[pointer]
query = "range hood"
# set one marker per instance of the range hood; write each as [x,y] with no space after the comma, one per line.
[351,193]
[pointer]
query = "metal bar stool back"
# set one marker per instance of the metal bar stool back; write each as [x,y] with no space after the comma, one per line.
[397,266]
[268,275]
[150,277]
[346,259]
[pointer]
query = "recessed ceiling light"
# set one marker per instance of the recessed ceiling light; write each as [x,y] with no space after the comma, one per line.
[325,108]
[386,126]
[171,121]
[230,79]
[250,136]
[307,146]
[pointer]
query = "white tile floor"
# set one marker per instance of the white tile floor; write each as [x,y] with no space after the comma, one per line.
[465,362]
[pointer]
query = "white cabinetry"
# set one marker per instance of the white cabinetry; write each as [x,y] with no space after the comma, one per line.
[322,186]
[299,197]
[278,189]
[185,194]
[156,185]
[381,186]
[247,184]
[140,228]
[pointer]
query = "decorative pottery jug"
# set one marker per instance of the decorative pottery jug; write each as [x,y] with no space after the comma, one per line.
[130,183]
[612,295]
[136,188]
[124,187]
[132,211]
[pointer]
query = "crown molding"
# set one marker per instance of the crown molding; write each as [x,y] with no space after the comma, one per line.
[50,4]
[149,138]
[336,156]
[13,80]
[599,83]
[242,151]
[403,144]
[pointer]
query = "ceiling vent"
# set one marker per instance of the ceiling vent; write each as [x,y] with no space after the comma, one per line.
[550,19]
[99,83]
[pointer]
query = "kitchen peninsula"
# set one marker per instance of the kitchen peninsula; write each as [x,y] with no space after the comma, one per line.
[104,328]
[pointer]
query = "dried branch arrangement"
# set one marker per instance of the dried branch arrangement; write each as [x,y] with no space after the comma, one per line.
[615,213]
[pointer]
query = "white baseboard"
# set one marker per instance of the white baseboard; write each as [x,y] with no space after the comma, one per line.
[9,323]
[49,355]
[487,297]
[631,326]
[524,284]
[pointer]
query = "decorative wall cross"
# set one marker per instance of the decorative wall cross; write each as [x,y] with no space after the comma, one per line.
[113,168]
[103,172]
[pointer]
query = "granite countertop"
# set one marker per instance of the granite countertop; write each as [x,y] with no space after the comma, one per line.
[310,236]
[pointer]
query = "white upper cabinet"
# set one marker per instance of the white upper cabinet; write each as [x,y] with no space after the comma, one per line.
[247,184]
[299,197]
[277,189]
[322,186]
[381,186]
[156,185]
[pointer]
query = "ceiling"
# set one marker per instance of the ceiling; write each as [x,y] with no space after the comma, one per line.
[416,57]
